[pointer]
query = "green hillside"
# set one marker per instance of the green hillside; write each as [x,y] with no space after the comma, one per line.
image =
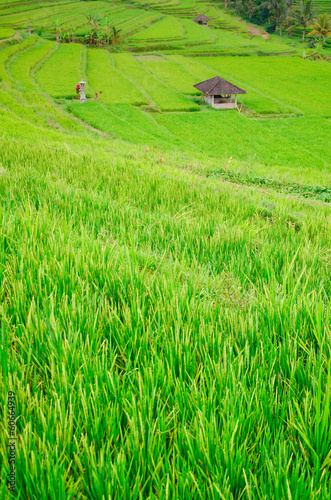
[165,310]
[144,25]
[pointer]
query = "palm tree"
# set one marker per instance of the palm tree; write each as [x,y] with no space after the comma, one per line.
[321,27]
[100,39]
[251,8]
[72,34]
[116,36]
[93,20]
[279,10]
[290,21]
[96,21]
[57,27]
[107,29]
[238,6]
[304,15]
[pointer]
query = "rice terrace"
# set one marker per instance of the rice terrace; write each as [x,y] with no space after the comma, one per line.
[165,249]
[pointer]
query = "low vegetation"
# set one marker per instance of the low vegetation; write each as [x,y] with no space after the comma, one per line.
[165,310]
[115,86]
[57,79]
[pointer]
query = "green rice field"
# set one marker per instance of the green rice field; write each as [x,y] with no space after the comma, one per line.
[143,25]
[6,33]
[115,86]
[165,292]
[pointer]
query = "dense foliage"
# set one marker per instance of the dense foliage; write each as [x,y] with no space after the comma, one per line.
[280,15]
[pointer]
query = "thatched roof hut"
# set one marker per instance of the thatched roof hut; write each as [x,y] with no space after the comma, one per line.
[218,92]
[202,19]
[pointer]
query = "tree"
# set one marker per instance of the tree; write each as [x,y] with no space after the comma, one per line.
[93,21]
[116,36]
[100,31]
[100,39]
[291,21]
[321,27]
[107,28]
[304,15]
[279,10]
[251,8]
[57,28]
[238,6]
[72,33]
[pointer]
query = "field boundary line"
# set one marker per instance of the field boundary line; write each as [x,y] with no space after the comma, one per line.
[12,58]
[142,27]
[142,89]
[254,187]
[38,43]
[46,96]
[43,61]
[166,85]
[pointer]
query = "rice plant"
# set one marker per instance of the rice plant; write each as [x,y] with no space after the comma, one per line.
[165,313]
[115,87]
[60,80]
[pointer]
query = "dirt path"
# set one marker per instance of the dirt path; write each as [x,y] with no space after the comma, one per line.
[254,31]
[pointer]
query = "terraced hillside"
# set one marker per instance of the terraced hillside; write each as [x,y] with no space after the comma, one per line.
[133,85]
[323,6]
[165,309]
[144,26]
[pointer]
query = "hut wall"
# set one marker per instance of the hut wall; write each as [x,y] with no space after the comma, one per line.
[210,100]
[225,105]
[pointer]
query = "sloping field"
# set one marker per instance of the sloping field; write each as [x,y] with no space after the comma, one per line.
[66,64]
[170,72]
[21,67]
[148,309]
[166,80]
[124,121]
[169,28]
[323,6]
[8,52]
[19,93]
[246,140]
[6,33]
[194,33]
[143,25]
[164,97]
[43,15]
[115,87]
[301,84]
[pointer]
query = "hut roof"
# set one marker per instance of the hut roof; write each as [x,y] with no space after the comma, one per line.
[218,86]
[201,18]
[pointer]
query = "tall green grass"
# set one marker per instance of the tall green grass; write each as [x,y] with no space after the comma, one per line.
[171,333]
[293,81]
[62,71]
[115,87]
[230,134]
[171,73]
[6,33]
[168,28]
[165,97]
